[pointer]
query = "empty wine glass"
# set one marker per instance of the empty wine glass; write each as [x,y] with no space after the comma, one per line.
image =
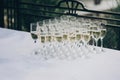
[103,33]
[34,32]
[96,35]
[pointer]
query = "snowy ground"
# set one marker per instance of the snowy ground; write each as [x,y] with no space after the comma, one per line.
[17,62]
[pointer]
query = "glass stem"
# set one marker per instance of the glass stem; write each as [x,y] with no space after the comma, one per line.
[96,43]
[93,42]
[101,44]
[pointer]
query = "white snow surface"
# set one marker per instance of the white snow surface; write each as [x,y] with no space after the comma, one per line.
[17,62]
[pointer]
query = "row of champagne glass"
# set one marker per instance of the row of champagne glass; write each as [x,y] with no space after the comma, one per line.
[69,28]
[68,37]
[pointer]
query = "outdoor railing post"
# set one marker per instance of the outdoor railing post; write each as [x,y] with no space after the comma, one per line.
[1,13]
[18,15]
[118,46]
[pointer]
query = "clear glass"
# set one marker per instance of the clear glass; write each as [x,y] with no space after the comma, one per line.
[67,37]
[103,33]
[33,28]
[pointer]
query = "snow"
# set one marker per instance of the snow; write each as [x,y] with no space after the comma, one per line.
[17,62]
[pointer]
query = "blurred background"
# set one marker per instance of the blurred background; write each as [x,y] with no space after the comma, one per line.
[18,14]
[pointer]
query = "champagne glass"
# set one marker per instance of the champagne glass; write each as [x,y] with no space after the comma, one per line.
[65,35]
[96,35]
[34,30]
[58,39]
[92,28]
[34,34]
[86,37]
[79,40]
[44,38]
[86,41]
[96,31]
[73,40]
[103,33]
[72,35]
[66,43]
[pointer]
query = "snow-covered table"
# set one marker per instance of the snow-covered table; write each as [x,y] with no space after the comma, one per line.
[18,63]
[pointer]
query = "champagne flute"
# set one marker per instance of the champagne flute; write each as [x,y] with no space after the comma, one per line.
[34,34]
[58,39]
[96,31]
[86,38]
[34,30]
[96,35]
[103,33]
[66,43]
